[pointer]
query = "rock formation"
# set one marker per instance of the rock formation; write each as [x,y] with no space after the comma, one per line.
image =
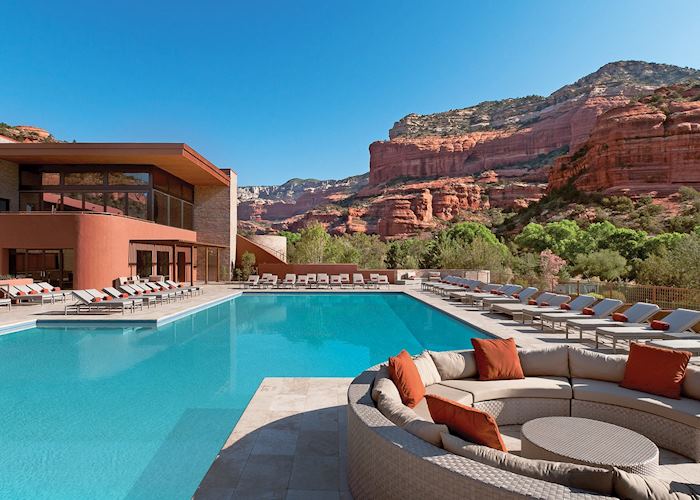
[24,133]
[649,146]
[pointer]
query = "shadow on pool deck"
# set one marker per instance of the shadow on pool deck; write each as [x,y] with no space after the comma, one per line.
[290,443]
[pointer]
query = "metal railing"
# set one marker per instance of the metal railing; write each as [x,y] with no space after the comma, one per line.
[665,297]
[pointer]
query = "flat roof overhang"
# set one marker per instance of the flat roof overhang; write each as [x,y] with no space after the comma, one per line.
[179,242]
[176,158]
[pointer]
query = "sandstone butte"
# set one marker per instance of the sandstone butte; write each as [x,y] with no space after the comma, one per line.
[647,147]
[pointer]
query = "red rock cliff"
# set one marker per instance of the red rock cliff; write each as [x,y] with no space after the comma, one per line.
[649,146]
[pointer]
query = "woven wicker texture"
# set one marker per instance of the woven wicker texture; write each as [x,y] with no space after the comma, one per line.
[516,411]
[666,433]
[589,442]
[387,462]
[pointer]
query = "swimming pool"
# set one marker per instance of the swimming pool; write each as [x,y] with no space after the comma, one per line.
[142,412]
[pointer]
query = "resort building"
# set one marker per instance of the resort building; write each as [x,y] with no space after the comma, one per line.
[80,215]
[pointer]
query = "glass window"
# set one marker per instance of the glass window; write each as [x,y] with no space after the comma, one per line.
[50,179]
[175,187]
[138,205]
[50,201]
[163,264]
[128,178]
[84,178]
[30,178]
[29,202]
[72,202]
[187,216]
[144,263]
[116,203]
[175,212]
[4,205]
[95,202]
[160,208]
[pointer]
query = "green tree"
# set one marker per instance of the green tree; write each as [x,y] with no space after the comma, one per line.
[604,264]
[677,265]
[406,254]
[247,264]
[312,244]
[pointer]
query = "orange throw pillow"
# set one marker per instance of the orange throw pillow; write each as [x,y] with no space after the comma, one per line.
[565,307]
[655,370]
[660,325]
[466,422]
[588,311]
[497,359]
[620,317]
[404,373]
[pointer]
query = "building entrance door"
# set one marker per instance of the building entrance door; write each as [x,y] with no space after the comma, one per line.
[181,267]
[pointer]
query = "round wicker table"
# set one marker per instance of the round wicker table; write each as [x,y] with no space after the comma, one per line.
[589,442]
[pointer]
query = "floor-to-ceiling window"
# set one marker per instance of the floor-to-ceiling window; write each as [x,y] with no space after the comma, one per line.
[55,266]
[140,191]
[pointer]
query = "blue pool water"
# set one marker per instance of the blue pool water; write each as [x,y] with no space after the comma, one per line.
[141,412]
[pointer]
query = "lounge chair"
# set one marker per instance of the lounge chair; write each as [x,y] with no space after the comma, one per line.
[323,281]
[487,288]
[195,290]
[20,294]
[383,280]
[302,281]
[272,282]
[475,298]
[521,297]
[7,303]
[544,300]
[88,302]
[602,309]
[636,315]
[679,321]
[462,285]
[253,281]
[433,275]
[433,285]
[358,280]
[145,288]
[60,296]
[105,297]
[312,280]
[116,294]
[149,298]
[335,281]
[54,289]
[689,345]
[576,305]
[179,291]
[289,281]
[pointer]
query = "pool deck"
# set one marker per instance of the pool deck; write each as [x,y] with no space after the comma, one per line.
[290,442]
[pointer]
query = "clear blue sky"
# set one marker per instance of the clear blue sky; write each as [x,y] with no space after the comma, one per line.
[301,88]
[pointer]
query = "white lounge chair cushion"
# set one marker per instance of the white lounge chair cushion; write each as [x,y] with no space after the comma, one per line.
[452,365]
[686,410]
[426,369]
[530,387]
[406,418]
[545,361]
[691,382]
[582,477]
[594,365]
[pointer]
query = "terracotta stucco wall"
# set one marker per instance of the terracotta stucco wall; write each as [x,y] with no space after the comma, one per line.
[9,183]
[101,242]
[281,269]
[262,255]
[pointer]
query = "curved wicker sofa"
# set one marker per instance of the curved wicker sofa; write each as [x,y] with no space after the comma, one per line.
[388,461]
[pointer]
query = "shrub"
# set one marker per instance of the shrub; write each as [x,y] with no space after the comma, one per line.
[604,264]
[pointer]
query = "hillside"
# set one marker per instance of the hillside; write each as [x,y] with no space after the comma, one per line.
[24,133]
[489,161]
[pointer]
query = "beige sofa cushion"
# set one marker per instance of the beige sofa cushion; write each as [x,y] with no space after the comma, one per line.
[404,417]
[529,387]
[594,365]
[686,410]
[454,364]
[691,382]
[383,384]
[461,397]
[574,476]
[426,369]
[545,361]
[628,485]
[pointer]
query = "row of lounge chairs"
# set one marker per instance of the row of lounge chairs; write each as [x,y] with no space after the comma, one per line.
[320,280]
[583,314]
